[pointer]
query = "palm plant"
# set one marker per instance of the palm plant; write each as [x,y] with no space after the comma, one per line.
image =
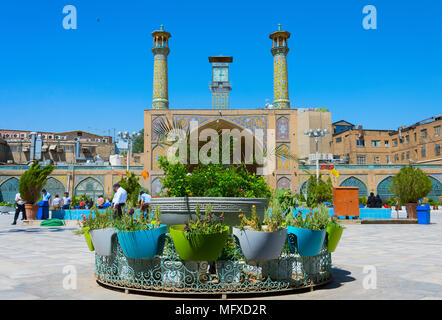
[33,180]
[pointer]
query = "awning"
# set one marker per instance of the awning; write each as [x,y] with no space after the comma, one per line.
[53,147]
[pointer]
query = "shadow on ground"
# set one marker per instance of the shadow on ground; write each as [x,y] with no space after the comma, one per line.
[340,277]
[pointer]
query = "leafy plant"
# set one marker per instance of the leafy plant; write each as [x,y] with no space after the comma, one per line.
[317,219]
[204,224]
[319,191]
[333,221]
[286,199]
[273,219]
[6,204]
[130,223]
[363,200]
[96,221]
[410,184]
[131,184]
[32,181]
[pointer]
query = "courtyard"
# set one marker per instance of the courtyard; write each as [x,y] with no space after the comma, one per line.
[407,259]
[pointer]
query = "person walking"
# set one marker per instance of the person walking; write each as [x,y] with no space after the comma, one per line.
[20,208]
[56,203]
[119,200]
[66,201]
[145,202]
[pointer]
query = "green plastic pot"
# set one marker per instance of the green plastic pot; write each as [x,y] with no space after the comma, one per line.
[206,247]
[87,237]
[334,233]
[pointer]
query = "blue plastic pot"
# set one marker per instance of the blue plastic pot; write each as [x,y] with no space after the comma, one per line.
[144,243]
[308,242]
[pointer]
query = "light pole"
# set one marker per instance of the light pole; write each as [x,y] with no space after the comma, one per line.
[318,133]
[130,138]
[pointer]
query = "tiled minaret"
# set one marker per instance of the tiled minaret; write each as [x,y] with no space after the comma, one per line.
[160,85]
[280,79]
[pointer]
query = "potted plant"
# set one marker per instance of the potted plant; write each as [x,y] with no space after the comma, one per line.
[85,231]
[31,184]
[309,230]
[140,237]
[409,185]
[202,238]
[262,241]
[334,233]
[101,229]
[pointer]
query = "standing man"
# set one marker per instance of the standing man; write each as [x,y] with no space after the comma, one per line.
[66,201]
[20,207]
[145,201]
[46,196]
[119,200]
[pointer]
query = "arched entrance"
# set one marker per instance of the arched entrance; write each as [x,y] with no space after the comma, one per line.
[355,182]
[8,190]
[436,191]
[89,187]
[54,187]
[383,189]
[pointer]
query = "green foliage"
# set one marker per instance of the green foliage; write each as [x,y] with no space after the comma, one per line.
[204,224]
[317,219]
[75,201]
[212,180]
[138,143]
[410,184]
[131,184]
[6,204]
[286,199]
[32,181]
[319,191]
[363,200]
[96,221]
[273,219]
[392,202]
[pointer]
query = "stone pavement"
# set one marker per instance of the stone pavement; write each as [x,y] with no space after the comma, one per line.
[407,259]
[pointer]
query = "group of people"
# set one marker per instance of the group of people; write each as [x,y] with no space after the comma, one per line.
[118,202]
[374,201]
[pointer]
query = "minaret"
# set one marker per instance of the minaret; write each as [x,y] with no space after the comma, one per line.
[160,86]
[280,79]
[220,85]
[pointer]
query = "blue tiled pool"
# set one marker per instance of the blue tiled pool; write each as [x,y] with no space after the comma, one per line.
[364,213]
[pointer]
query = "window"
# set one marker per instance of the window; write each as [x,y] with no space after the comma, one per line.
[43,136]
[423,151]
[424,133]
[415,137]
[360,143]
[408,155]
[386,142]
[105,140]
[16,135]
[377,160]
[407,139]
[402,156]
[361,160]
[388,159]
[23,135]
[394,142]
[437,150]
[7,135]
[375,143]
[396,157]
[51,137]
[437,131]
[338,140]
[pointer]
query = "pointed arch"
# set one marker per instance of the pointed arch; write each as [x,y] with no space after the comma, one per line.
[383,188]
[436,191]
[54,187]
[355,182]
[8,189]
[90,187]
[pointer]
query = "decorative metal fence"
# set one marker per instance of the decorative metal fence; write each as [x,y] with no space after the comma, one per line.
[233,275]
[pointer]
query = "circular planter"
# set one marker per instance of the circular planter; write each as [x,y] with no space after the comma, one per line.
[261,245]
[31,211]
[87,237]
[144,243]
[175,211]
[207,247]
[334,233]
[102,240]
[308,242]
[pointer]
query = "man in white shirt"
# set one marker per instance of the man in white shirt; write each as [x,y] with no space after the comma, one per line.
[20,207]
[56,203]
[145,201]
[119,200]
[66,201]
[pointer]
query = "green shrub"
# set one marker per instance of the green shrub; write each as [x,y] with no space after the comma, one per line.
[212,180]
[410,184]
[32,181]
[363,200]
[131,184]
[317,219]
[319,191]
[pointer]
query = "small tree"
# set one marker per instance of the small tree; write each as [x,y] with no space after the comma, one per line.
[410,184]
[319,191]
[131,184]
[33,180]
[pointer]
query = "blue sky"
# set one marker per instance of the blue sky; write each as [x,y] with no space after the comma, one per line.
[99,77]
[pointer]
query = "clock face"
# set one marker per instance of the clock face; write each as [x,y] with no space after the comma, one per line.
[221,74]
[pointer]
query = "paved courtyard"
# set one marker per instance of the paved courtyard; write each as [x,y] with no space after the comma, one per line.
[407,258]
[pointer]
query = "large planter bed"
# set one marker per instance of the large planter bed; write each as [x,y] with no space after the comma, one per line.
[176,211]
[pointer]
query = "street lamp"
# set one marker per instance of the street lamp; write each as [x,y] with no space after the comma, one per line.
[316,134]
[130,138]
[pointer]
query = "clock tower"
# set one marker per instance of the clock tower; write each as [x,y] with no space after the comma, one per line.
[220,85]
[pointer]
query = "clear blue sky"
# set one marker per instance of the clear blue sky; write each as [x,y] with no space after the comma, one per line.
[100,76]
